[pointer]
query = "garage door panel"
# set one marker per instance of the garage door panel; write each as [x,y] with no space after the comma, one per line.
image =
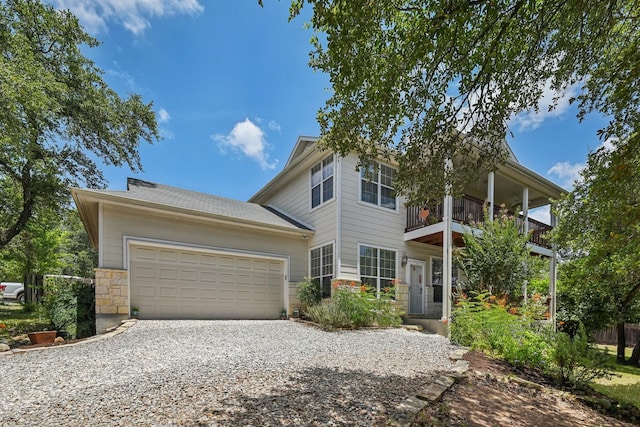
[167,292]
[145,272]
[144,253]
[168,274]
[188,258]
[168,256]
[145,291]
[189,275]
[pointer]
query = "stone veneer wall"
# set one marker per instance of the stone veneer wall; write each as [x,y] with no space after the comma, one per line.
[402,297]
[112,298]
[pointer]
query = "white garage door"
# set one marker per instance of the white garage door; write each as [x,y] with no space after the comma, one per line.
[189,284]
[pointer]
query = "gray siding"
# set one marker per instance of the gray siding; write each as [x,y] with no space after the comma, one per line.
[294,199]
[121,221]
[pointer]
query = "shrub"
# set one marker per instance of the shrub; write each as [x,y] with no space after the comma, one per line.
[575,361]
[353,307]
[514,334]
[309,293]
[70,306]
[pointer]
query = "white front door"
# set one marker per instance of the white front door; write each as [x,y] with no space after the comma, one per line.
[415,275]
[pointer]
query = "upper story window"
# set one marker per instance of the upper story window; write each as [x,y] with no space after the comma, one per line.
[376,186]
[322,268]
[322,182]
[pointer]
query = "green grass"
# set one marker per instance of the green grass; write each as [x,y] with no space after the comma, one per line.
[16,320]
[625,385]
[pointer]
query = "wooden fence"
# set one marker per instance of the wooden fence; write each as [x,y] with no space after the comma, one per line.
[33,288]
[610,335]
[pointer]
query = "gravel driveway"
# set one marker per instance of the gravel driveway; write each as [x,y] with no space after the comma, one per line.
[260,373]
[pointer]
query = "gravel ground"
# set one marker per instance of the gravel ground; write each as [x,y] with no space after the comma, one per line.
[261,373]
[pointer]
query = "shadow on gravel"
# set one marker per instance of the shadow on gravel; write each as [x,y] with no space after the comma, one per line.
[319,396]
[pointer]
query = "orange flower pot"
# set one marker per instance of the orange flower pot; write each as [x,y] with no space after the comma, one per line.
[43,337]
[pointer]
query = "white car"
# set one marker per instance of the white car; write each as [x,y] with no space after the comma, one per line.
[12,290]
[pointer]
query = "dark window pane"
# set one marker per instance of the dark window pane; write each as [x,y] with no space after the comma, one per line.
[387,198]
[437,293]
[327,167]
[369,192]
[326,287]
[327,189]
[315,196]
[315,175]
[387,175]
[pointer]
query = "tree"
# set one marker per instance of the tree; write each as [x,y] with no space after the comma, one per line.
[79,258]
[495,257]
[423,80]
[599,227]
[56,113]
[35,250]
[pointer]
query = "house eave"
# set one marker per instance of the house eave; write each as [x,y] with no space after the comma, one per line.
[84,198]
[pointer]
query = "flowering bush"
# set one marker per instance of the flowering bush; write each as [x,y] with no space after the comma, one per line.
[520,336]
[515,334]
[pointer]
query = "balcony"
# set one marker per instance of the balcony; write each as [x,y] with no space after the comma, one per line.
[469,210]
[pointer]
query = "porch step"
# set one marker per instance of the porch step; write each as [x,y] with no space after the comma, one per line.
[434,326]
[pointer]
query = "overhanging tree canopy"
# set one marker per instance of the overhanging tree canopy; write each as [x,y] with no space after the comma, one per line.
[408,77]
[56,112]
[599,226]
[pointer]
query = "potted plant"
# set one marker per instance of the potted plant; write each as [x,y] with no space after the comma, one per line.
[42,337]
[134,312]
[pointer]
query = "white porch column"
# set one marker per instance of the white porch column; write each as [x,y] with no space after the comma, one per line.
[447,246]
[447,259]
[552,276]
[525,210]
[491,186]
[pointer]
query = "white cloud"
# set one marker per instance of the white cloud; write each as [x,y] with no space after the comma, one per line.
[132,14]
[273,125]
[249,139]
[567,173]
[530,120]
[163,116]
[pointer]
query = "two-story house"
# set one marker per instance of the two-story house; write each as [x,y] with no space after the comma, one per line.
[179,254]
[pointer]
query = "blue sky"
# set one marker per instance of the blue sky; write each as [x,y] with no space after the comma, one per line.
[232,89]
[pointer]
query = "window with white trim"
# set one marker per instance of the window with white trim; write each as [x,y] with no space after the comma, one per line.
[377,267]
[437,278]
[322,268]
[376,185]
[322,182]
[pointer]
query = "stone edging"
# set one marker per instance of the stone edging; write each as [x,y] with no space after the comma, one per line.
[411,406]
[123,326]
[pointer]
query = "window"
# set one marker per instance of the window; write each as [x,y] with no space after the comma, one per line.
[377,267]
[376,186]
[322,268]
[322,182]
[437,278]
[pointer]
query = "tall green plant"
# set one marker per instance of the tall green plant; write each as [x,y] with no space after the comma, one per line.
[70,304]
[495,256]
[309,293]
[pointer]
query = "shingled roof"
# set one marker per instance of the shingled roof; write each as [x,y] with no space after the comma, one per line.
[187,201]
